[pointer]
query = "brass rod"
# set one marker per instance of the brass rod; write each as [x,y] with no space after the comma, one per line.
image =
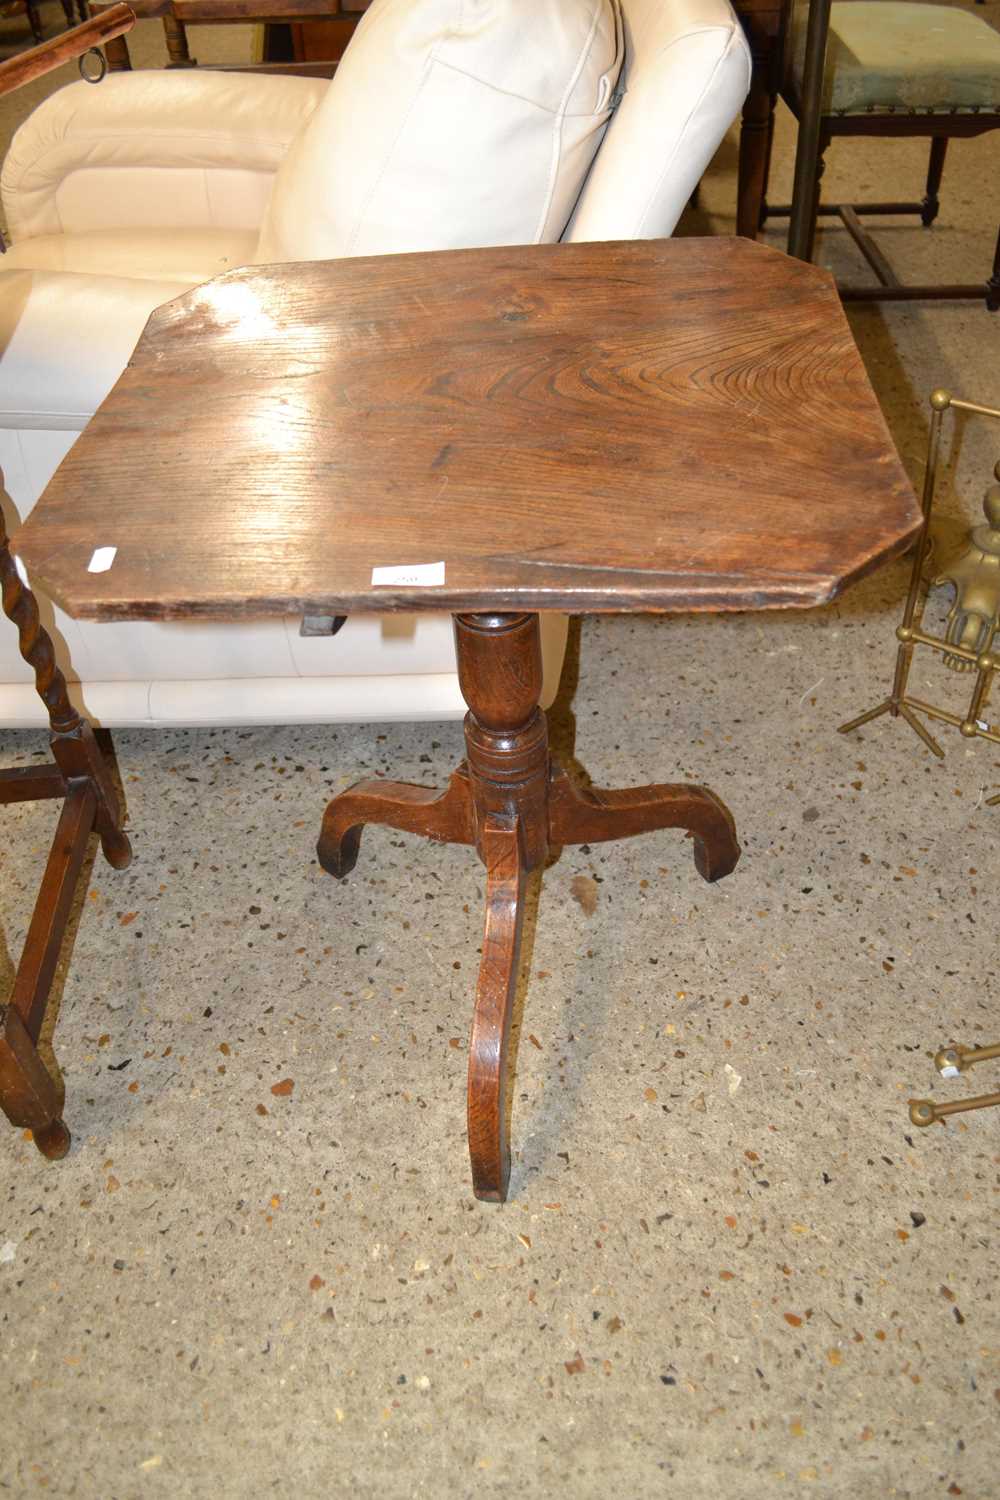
[919,637]
[984,411]
[940,401]
[42,59]
[926,1112]
[953,719]
[871,713]
[920,729]
[974,1055]
[979,693]
[952,1060]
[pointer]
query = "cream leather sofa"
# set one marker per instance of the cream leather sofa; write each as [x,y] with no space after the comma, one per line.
[447,124]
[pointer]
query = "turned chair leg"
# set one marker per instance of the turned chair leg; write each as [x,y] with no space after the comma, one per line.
[930,206]
[993,284]
[35,21]
[28,1095]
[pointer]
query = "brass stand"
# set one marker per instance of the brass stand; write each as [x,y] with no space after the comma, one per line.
[980,629]
[981,658]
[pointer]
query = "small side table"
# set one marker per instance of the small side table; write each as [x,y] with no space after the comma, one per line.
[649,425]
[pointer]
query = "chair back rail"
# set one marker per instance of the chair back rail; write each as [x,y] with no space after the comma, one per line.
[37,61]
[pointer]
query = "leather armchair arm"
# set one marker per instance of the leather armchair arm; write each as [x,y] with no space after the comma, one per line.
[173,149]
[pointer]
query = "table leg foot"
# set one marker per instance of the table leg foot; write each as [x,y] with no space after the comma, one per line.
[29,1095]
[446,816]
[489,1141]
[116,848]
[53,1140]
[579,815]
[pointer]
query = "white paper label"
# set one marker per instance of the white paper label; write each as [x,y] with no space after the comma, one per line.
[102,559]
[949,1072]
[417,575]
[982,724]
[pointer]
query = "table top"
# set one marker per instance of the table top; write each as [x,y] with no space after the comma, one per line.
[646,425]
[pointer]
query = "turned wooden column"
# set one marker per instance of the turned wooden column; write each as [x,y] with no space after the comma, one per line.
[506,739]
[506,736]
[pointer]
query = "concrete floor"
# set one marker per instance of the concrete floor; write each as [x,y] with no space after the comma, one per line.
[729,1265]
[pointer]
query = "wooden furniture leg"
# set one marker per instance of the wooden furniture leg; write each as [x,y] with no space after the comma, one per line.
[28,1095]
[808,149]
[756,130]
[175,36]
[993,284]
[445,816]
[588,816]
[35,21]
[513,804]
[489,1139]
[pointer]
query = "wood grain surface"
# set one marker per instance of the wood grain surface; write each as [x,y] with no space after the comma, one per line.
[645,425]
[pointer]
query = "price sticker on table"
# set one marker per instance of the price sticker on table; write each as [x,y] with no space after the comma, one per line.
[416,575]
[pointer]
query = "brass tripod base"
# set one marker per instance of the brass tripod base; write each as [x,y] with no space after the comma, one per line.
[901,709]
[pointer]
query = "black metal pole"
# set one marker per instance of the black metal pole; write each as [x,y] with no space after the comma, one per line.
[802,225]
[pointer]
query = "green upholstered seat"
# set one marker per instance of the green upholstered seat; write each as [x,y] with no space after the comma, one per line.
[894,55]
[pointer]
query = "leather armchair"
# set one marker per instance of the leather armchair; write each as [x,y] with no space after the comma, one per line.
[576,119]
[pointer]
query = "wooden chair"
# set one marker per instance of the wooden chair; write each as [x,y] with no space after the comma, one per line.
[318,32]
[27,8]
[897,68]
[29,1095]
[31,9]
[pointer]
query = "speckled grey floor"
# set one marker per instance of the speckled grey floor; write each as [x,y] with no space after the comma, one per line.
[728,1266]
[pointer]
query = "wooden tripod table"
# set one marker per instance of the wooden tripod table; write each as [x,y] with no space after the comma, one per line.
[658,425]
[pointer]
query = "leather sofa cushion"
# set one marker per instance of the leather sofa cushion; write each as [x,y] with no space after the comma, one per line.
[159,149]
[187,255]
[45,313]
[72,307]
[451,123]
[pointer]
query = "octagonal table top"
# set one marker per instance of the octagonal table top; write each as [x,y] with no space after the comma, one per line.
[642,425]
